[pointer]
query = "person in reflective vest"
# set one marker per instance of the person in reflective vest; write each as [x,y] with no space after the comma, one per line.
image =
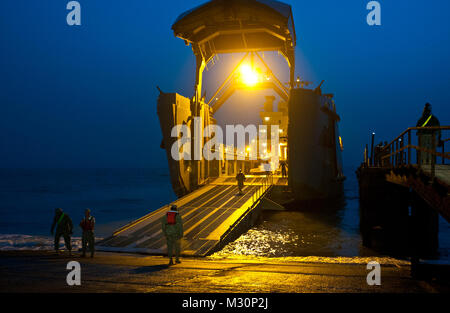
[425,136]
[240,177]
[172,228]
[88,239]
[64,228]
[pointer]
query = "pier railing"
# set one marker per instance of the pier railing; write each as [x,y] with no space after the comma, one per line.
[400,150]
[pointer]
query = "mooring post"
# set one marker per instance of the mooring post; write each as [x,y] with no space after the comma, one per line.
[366,155]
[397,156]
[443,153]
[433,156]
[414,236]
[419,152]
[371,150]
[409,147]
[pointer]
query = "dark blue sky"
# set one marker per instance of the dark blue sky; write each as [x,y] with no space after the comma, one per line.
[86,96]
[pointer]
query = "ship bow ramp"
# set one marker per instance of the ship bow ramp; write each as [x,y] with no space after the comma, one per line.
[212,216]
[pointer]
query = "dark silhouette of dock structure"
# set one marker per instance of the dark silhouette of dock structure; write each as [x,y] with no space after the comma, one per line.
[404,187]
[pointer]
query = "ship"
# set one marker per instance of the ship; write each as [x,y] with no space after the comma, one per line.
[306,119]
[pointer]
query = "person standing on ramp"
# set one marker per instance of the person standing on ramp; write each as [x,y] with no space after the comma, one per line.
[172,228]
[240,177]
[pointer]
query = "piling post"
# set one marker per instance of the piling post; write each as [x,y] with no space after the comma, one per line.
[397,156]
[371,150]
[443,153]
[383,212]
[433,156]
[425,228]
[409,147]
[366,156]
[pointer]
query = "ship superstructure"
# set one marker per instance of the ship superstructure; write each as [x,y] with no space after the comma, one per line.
[306,121]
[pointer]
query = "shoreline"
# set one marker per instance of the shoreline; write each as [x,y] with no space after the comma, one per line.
[44,271]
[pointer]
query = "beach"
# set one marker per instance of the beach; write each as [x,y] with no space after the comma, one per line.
[45,272]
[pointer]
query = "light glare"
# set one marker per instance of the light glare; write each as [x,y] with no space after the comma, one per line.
[248,75]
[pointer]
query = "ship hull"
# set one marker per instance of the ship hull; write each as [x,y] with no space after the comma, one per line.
[315,161]
[174,109]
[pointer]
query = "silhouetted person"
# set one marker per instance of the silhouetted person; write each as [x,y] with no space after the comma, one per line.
[88,239]
[64,227]
[283,166]
[240,177]
[377,154]
[426,136]
[172,228]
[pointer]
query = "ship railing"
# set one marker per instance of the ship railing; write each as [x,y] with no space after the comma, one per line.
[261,190]
[257,196]
[399,152]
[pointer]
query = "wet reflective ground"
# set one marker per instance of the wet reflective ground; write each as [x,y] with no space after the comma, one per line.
[118,272]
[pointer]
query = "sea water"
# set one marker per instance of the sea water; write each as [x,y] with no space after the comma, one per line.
[28,198]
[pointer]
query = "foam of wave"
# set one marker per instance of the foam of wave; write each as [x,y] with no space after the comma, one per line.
[315,259]
[29,242]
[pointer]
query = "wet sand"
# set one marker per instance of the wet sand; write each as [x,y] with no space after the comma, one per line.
[44,271]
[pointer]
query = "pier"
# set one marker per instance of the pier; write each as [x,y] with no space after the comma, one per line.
[213,215]
[404,187]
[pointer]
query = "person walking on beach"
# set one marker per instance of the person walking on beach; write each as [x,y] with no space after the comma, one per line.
[426,136]
[172,228]
[64,228]
[87,225]
[240,177]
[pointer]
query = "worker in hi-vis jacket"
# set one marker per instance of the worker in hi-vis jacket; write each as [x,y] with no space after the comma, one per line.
[172,228]
[426,136]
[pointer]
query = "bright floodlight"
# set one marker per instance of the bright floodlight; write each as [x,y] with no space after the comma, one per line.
[248,75]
